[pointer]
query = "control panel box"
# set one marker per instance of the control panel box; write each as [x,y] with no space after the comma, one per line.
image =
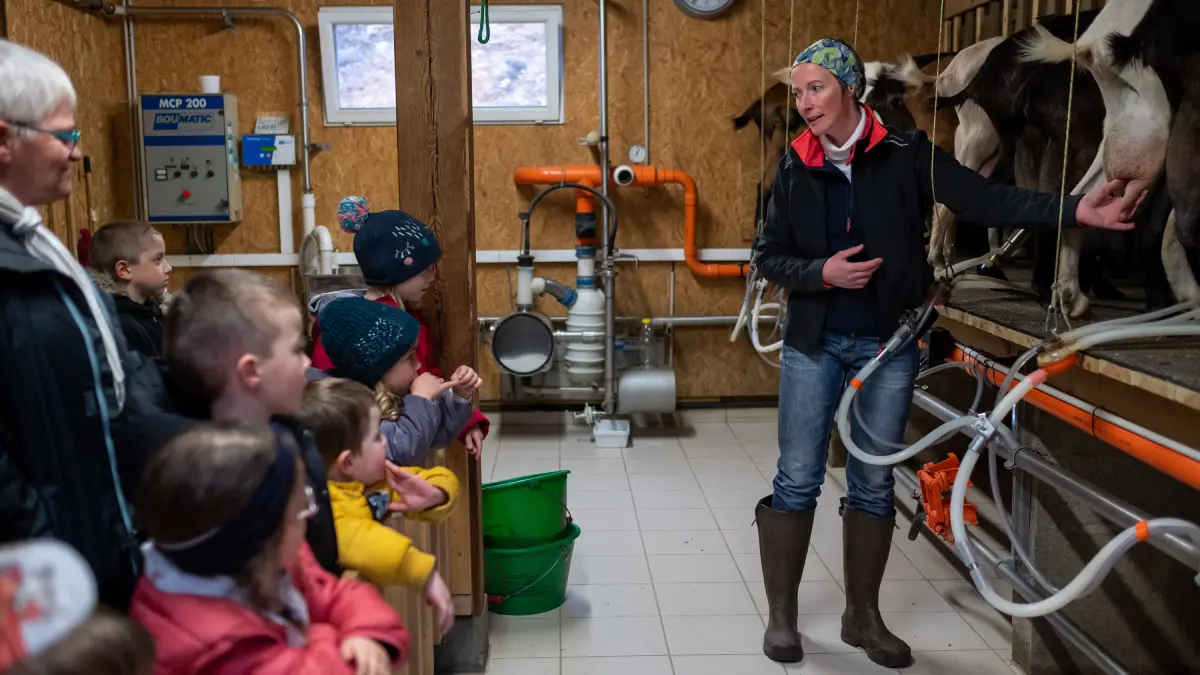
[190,154]
[267,150]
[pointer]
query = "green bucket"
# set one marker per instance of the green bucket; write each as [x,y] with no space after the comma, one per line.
[532,580]
[526,511]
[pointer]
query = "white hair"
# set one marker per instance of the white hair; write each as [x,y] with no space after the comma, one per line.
[34,86]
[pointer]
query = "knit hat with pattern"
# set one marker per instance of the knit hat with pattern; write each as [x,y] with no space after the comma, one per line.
[364,338]
[391,246]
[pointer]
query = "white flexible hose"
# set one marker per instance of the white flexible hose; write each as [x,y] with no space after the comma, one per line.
[1134,333]
[759,306]
[1102,326]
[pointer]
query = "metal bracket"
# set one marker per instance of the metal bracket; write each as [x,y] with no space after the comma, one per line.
[618,256]
[983,426]
[228,19]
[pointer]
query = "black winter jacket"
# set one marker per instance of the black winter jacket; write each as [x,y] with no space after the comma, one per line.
[56,470]
[893,196]
[142,323]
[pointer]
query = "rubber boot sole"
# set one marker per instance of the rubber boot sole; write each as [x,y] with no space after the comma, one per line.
[779,654]
[880,658]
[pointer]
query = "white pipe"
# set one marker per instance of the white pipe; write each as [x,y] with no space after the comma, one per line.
[325,261]
[283,182]
[1124,333]
[524,287]
[308,208]
[486,257]
[1101,326]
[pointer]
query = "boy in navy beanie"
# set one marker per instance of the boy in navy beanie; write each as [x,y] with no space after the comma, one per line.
[375,344]
[396,254]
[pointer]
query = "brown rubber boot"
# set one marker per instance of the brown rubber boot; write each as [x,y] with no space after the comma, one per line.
[867,541]
[783,545]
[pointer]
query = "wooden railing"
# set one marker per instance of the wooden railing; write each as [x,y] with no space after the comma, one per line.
[969,21]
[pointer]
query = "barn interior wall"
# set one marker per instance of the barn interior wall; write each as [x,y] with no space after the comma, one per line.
[702,74]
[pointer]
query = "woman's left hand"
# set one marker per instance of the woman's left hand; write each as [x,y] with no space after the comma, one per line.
[1102,209]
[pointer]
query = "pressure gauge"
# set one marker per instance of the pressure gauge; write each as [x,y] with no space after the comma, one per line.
[704,9]
[637,154]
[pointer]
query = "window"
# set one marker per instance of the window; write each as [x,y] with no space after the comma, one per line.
[516,78]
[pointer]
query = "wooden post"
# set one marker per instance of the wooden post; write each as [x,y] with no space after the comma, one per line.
[434,152]
[1006,18]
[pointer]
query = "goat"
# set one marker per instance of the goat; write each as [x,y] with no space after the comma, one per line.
[1137,114]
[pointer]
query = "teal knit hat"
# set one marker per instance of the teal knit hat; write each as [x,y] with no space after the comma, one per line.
[838,58]
[364,338]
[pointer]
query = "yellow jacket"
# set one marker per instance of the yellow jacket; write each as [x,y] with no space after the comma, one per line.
[380,554]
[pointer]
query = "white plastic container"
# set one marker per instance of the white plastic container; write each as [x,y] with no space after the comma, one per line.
[611,433]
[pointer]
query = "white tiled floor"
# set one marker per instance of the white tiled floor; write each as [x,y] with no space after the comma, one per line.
[666,578]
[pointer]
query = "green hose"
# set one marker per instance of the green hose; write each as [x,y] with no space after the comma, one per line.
[484,24]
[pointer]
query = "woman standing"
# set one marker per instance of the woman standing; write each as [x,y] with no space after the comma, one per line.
[844,234]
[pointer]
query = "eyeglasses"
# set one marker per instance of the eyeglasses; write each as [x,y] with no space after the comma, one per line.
[68,138]
[311,509]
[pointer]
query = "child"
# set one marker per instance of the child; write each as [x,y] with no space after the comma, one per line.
[345,420]
[230,587]
[374,344]
[129,260]
[234,349]
[50,623]
[396,254]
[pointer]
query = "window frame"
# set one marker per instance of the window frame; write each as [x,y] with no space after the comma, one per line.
[548,14]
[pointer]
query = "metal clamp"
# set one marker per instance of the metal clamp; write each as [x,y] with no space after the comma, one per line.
[983,426]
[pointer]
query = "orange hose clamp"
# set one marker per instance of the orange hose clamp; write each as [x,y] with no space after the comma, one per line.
[936,483]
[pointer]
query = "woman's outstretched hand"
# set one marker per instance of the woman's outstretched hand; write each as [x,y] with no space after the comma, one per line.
[1103,209]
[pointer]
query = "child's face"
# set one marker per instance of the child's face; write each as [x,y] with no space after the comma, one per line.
[281,373]
[413,290]
[301,506]
[399,378]
[367,465]
[150,273]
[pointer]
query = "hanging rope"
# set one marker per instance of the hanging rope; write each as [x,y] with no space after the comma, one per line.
[762,116]
[484,24]
[933,128]
[856,5]
[1055,307]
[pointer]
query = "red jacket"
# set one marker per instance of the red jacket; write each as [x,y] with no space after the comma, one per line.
[197,635]
[320,361]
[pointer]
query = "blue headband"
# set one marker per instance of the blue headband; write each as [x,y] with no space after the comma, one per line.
[227,549]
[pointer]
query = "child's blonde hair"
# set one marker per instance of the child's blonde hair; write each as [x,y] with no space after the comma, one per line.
[389,403]
[392,292]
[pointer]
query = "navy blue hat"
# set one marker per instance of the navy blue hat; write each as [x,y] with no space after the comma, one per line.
[391,246]
[364,338]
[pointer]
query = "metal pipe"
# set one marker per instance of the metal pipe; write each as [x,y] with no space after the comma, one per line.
[542,391]
[670,314]
[1114,510]
[139,177]
[222,11]
[609,290]
[590,335]
[1062,625]
[646,80]
[656,321]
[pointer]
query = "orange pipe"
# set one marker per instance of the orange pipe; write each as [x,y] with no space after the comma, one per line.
[1166,460]
[644,176]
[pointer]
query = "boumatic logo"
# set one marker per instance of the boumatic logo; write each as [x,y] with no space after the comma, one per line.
[183,121]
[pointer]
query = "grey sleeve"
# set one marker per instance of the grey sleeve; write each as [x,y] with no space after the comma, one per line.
[455,414]
[411,436]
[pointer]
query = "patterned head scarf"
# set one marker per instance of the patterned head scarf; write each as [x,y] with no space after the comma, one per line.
[838,58]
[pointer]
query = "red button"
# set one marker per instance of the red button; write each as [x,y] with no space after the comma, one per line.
[186,195]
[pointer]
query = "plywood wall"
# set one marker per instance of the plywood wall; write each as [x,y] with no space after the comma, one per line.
[702,75]
[91,52]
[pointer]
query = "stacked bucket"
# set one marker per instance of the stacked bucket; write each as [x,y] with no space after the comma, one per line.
[528,539]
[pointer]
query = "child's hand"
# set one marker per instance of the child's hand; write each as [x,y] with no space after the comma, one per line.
[430,386]
[438,595]
[474,441]
[466,382]
[368,656]
[414,493]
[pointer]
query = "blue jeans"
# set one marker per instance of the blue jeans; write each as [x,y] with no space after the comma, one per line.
[810,388]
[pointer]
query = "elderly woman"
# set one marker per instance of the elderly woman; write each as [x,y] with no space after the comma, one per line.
[843,234]
[70,417]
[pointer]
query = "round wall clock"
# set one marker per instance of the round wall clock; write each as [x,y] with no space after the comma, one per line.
[704,9]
